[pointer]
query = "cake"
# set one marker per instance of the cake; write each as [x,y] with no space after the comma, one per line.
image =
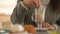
[30,29]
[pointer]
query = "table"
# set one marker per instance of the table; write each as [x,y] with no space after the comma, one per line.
[42,32]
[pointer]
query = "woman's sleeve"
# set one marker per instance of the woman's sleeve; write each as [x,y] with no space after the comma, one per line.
[18,14]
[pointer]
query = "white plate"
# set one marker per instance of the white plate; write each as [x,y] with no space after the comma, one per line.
[42,28]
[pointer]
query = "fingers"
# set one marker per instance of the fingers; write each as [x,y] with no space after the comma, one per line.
[37,3]
[46,25]
[32,3]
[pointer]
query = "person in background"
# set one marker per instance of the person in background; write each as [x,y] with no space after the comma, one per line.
[52,12]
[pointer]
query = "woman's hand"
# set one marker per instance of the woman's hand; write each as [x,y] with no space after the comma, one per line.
[47,25]
[32,3]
